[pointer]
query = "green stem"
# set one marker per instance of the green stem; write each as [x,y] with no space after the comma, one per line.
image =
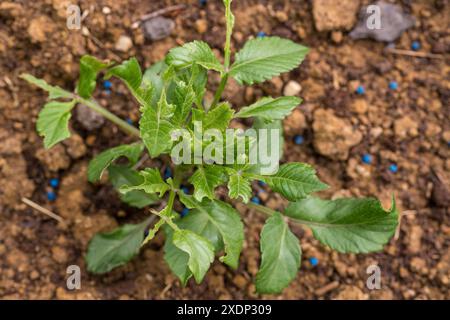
[218,95]
[230,24]
[227,51]
[261,208]
[123,125]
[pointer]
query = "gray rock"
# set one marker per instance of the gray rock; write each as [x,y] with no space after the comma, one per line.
[158,28]
[393,23]
[89,119]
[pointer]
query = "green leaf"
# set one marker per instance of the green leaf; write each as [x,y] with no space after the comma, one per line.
[184,97]
[176,259]
[153,76]
[53,122]
[239,186]
[280,256]
[200,251]
[54,92]
[152,183]
[269,108]
[205,179]
[264,58]
[109,250]
[262,124]
[294,181]
[89,69]
[123,175]
[196,52]
[347,225]
[104,159]
[156,128]
[218,222]
[130,72]
[219,117]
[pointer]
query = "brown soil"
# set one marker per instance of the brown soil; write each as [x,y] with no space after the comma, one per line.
[409,127]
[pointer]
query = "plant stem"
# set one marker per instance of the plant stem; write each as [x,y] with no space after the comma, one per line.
[261,208]
[227,51]
[230,24]
[218,95]
[123,125]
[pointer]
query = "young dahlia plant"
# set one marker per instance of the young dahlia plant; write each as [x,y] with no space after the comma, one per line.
[177,119]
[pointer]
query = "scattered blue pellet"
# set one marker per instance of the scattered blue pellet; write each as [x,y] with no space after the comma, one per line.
[54,182]
[107,85]
[448,143]
[51,196]
[393,85]
[360,90]
[366,158]
[415,45]
[314,261]
[261,34]
[184,212]
[256,200]
[203,2]
[393,168]
[167,173]
[298,139]
[107,92]
[129,121]
[145,233]
[262,183]
[185,189]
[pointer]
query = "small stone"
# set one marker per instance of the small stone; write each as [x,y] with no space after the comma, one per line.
[240,281]
[158,28]
[54,159]
[75,146]
[351,293]
[40,29]
[292,88]
[123,44]
[301,32]
[359,106]
[295,122]
[441,188]
[281,16]
[331,15]
[394,21]
[89,119]
[405,127]
[59,254]
[201,25]
[337,36]
[333,136]
[106,10]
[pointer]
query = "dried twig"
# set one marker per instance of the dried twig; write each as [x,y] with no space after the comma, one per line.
[43,210]
[327,288]
[404,213]
[414,53]
[159,13]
